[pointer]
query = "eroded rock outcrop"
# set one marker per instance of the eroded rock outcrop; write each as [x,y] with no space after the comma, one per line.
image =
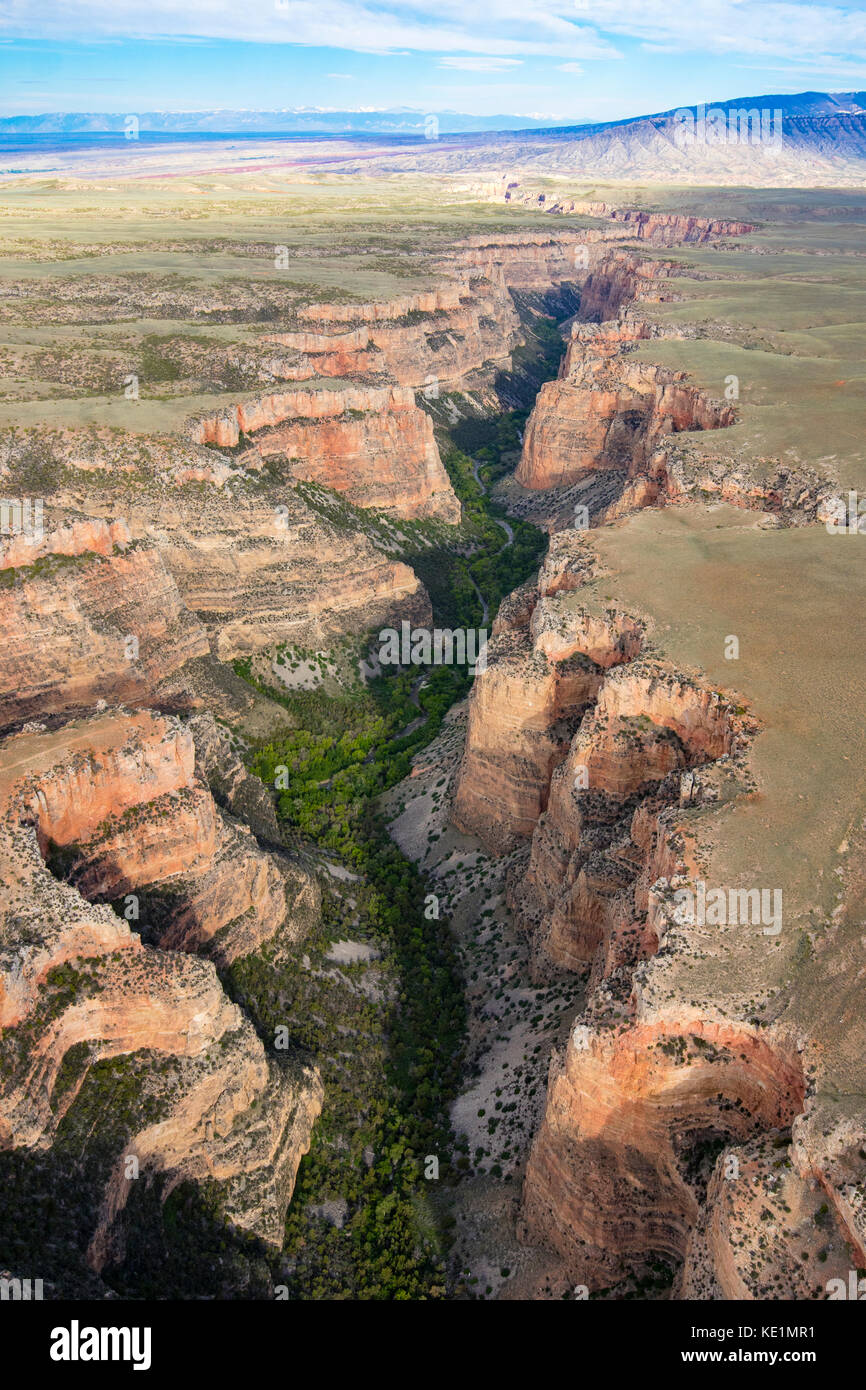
[259,573]
[608,411]
[541,675]
[628,1115]
[699,1115]
[626,1168]
[755,1188]
[374,445]
[233,568]
[78,985]
[87,615]
[444,340]
[138,820]
[659,228]
[625,763]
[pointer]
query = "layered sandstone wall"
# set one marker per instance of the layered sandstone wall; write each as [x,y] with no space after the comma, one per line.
[625,1111]
[674,1058]
[541,676]
[581,895]
[528,262]
[755,1188]
[659,228]
[259,574]
[650,1085]
[85,615]
[74,975]
[441,300]
[375,446]
[608,411]
[233,568]
[471,331]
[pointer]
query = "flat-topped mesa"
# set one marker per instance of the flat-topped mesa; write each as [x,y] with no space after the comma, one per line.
[526,705]
[659,228]
[77,985]
[467,335]
[441,300]
[373,444]
[85,616]
[609,411]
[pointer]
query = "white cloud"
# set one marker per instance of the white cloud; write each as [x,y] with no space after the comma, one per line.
[784,28]
[503,28]
[570,67]
[480,64]
[581,30]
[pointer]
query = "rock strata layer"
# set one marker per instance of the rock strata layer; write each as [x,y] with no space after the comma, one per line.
[115,800]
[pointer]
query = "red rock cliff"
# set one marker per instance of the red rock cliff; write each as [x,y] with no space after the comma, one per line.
[374,445]
[73,974]
[607,411]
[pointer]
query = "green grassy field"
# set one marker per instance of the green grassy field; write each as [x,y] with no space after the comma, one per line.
[87,277]
[785,313]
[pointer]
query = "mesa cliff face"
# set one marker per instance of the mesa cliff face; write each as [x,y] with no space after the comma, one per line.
[259,574]
[231,567]
[86,615]
[658,228]
[583,891]
[626,1113]
[686,1118]
[375,446]
[448,337]
[116,801]
[527,704]
[606,411]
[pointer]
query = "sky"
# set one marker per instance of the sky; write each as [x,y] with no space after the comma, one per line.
[570,60]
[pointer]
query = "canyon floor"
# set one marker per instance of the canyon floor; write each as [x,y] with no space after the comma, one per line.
[329,977]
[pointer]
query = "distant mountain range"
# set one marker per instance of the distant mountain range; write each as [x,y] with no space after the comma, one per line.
[304,121]
[808,139]
[401,120]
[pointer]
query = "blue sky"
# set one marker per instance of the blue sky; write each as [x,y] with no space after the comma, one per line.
[566,59]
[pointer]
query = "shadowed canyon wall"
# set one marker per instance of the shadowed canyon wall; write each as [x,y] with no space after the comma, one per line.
[117,797]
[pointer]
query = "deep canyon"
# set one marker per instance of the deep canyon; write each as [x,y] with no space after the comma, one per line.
[229,1017]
